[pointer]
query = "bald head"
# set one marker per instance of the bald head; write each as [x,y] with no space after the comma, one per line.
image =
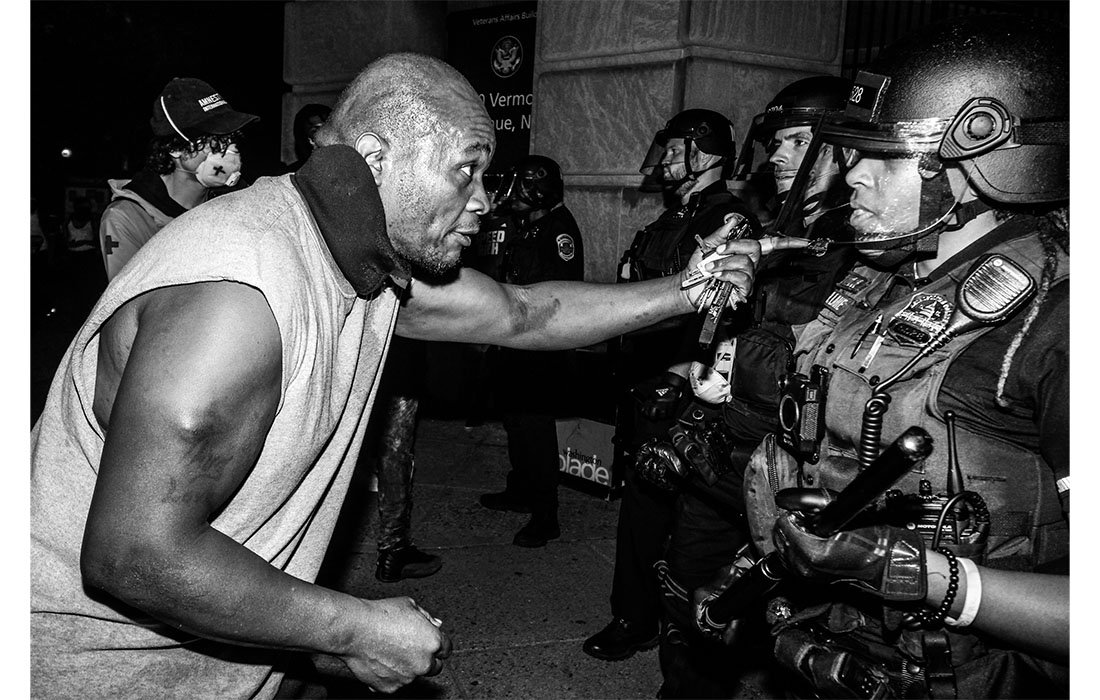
[402,98]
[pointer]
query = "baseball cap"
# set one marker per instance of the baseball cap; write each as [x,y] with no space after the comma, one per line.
[192,108]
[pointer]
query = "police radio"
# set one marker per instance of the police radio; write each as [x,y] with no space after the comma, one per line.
[802,412]
[957,518]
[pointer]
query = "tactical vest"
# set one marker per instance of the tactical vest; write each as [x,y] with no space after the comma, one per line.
[789,294]
[1027,526]
[663,247]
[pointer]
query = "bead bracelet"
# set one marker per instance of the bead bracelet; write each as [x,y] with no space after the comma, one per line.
[923,618]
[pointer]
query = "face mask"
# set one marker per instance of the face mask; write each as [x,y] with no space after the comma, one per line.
[219,169]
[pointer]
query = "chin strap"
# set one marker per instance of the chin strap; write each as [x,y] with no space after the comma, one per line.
[674,185]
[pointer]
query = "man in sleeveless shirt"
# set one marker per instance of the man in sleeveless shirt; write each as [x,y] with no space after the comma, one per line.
[200,433]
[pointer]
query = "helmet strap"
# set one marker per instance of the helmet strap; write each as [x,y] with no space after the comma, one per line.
[966,212]
[689,173]
[935,199]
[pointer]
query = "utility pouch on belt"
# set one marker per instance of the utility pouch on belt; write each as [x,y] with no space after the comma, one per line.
[769,470]
[843,653]
[763,356]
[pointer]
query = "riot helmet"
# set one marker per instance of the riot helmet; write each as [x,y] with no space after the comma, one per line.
[986,94]
[787,130]
[802,103]
[703,131]
[534,182]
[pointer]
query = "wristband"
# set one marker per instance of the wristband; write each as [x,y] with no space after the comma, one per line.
[973,595]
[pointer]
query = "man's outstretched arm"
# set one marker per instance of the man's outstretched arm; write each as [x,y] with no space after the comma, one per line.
[556,315]
[195,401]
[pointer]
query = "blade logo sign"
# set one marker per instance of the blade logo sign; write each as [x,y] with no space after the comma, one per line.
[588,467]
[506,56]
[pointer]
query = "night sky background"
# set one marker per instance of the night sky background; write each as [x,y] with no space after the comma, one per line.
[97,67]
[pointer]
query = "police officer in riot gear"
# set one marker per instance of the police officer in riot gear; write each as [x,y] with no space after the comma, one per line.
[736,394]
[689,161]
[956,144]
[544,244]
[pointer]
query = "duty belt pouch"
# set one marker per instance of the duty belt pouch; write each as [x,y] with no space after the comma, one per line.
[763,356]
[770,469]
[844,652]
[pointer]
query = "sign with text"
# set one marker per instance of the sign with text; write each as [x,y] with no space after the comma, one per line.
[585,449]
[494,47]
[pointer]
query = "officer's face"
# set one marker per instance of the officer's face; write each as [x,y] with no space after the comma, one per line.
[787,148]
[885,196]
[435,194]
[673,159]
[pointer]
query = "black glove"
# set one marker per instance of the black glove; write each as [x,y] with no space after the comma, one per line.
[706,594]
[659,398]
[884,560]
[656,462]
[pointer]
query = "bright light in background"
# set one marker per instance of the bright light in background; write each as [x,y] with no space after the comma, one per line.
[66,153]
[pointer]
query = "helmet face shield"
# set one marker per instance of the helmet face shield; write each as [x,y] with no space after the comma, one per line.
[886,194]
[534,183]
[900,189]
[817,186]
[824,182]
[761,142]
[673,155]
[667,164]
[802,103]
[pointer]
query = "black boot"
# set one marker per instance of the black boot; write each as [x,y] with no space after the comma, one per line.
[405,562]
[620,639]
[537,532]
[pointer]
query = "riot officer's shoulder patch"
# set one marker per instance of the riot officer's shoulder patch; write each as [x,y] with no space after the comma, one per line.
[566,247]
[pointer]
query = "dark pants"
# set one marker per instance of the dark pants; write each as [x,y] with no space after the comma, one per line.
[708,529]
[709,526]
[390,440]
[395,469]
[645,519]
[533,390]
[533,454]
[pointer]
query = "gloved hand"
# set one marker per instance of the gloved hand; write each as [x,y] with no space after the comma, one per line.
[884,560]
[656,461]
[707,593]
[659,398]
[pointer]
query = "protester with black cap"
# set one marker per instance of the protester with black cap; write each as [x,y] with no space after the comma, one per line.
[194,149]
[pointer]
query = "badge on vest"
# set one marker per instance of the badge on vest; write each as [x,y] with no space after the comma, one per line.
[566,248]
[837,302]
[920,321]
[843,294]
[853,282]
